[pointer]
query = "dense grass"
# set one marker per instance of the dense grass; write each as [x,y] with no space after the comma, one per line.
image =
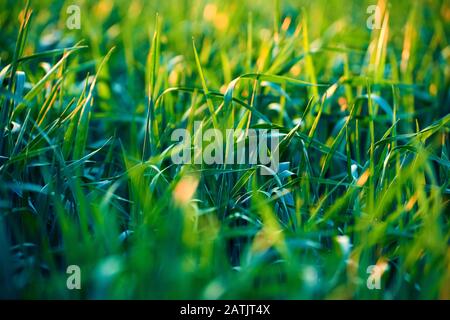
[86,178]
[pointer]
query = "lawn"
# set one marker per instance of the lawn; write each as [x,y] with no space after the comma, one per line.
[349,199]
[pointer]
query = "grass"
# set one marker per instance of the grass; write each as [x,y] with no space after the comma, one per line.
[86,177]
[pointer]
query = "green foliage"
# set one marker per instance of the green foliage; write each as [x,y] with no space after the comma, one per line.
[85,170]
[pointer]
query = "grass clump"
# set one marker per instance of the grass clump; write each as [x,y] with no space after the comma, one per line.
[86,117]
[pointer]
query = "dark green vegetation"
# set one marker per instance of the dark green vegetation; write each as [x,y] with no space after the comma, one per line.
[86,177]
